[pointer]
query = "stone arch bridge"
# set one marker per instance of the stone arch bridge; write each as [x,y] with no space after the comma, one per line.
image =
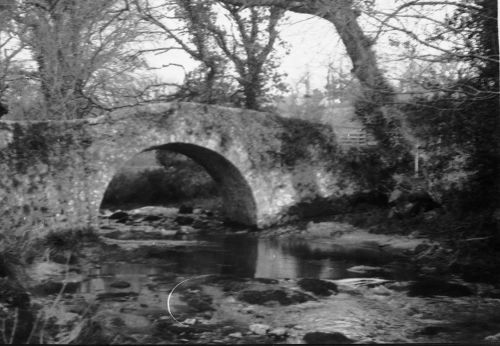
[55,173]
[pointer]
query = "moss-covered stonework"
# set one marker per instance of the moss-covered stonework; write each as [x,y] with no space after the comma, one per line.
[56,173]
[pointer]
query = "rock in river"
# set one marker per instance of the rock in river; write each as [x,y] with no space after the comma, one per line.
[326,338]
[281,296]
[493,338]
[185,209]
[259,329]
[119,216]
[184,220]
[429,287]
[278,333]
[318,287]
[120,284]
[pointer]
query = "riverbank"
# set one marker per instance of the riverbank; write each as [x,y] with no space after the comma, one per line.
[157,275]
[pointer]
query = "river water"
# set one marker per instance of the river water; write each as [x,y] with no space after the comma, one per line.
[169,282]
[248,256]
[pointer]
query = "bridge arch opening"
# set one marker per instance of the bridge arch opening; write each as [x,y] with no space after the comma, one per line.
[238,204]
[237,196]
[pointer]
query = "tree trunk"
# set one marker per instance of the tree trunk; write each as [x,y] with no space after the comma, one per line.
[251,92]
[374,108]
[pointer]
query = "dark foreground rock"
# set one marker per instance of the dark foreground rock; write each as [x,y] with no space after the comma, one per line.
[54,287]
[281,296]
[12,294]
[120,284]
[15,313]
[185,209]
[318,287]
[184,220]
[116,295]
[119,216]
[327,338]
[436,287]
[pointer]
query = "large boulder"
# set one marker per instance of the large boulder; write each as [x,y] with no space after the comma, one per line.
[410,198]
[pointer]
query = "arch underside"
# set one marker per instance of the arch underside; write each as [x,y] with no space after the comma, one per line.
[237,196]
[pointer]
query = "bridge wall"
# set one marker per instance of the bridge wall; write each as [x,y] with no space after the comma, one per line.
[56,173]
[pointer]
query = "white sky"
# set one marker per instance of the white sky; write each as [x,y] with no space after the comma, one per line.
[313,44]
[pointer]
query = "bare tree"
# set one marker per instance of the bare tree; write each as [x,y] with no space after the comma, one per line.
[377,103]
[246,42]
[444,48]
[81,50]
[377,96]
[10,47]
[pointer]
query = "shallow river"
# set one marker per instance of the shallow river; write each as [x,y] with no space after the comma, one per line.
[172,283]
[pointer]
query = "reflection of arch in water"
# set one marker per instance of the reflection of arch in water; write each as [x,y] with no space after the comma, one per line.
[237,196]
[297,258]
[272,262]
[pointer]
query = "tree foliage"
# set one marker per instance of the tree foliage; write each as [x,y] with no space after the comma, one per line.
[460,123]
[75,58]
[233,44]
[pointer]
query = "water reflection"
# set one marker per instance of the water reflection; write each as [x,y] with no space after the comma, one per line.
[243,256]
[100,279]
[294,258]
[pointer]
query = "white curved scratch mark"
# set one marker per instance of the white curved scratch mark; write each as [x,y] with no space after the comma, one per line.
[172,291]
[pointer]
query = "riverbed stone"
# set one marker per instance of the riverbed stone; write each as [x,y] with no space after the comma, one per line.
[119,216]
[317,286]
[150,218]
[381,290]
[167,232]
[437,287]
[433,330]
[185,230]
[198,301]
[184,220]
[154,210]
[326,338]
[278,333]
[259,329]
[185,209]
[49,287]
[493,338]
[116,295]
[266,281]
[282,296]
[363,269]
[120,284]
[13,294]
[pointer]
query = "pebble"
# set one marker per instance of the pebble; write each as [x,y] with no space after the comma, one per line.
[187,230]
[185,209]
[362,269]
[326,338]
[493,338]
[278,332]
[381,290]
[248,310]
[120,284]
[237,335]
[165,232]
[259,329]
[190,321]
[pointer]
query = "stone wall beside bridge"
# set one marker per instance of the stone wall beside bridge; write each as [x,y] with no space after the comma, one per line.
[55,173]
